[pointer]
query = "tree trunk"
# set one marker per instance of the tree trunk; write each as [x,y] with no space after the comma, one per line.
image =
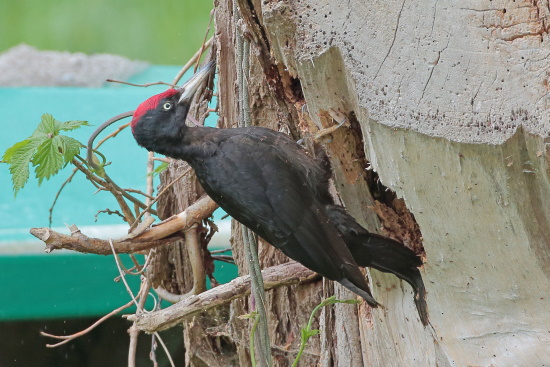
[447,150]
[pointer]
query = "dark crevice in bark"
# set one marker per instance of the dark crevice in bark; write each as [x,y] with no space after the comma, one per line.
[285,87]
[396,219]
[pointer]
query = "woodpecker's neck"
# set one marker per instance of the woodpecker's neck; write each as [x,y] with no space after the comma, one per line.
[191,143]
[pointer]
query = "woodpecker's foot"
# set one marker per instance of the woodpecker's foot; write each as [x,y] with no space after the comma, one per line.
[328,130]
[337,116]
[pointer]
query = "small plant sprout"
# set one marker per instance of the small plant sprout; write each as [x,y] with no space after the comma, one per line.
[308,332]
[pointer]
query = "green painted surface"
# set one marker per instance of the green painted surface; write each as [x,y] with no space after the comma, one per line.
[54,286]
[69,285]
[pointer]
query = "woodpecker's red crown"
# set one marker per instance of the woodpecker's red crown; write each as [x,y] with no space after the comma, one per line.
[150,103]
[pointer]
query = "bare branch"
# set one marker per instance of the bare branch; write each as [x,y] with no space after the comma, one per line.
[135,191]
[122,277]
[59,193]
[109,212]
[157,335]
[134,330]
[196,259]
[149,178]
[68,338]
[204,41]
[141,85]
[112,135]
[162,192]
[200,210]
[153,237]
[162,159]
[114,188]
[277,276]
[193,60]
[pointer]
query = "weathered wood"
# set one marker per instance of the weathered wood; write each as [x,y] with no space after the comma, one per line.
[424,82]
[277,276]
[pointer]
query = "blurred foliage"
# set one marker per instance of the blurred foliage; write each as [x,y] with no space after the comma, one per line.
[162,32]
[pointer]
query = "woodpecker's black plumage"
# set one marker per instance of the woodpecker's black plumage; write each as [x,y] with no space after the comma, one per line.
[267,182]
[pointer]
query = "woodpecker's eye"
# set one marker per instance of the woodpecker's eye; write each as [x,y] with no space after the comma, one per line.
[167,106]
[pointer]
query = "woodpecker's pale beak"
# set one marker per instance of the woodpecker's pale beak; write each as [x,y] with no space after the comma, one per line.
[190,88]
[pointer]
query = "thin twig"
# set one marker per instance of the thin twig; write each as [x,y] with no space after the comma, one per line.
[108,211]
[224,258]
[162,159]
[114,186]
[140,269]
[135,261]
[134,330]
[57,195]
[221,251]
[192,60]
[142,85]
[165,349]
[117,261]
[149,179]
[109,185]
[164,190]
[68,338]
[153,352]
[94,179]
[112,135]
[250,241]
[203,46]
[131,190]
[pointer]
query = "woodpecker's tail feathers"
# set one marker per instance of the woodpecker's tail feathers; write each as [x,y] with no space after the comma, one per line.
[381,253]
[355,289]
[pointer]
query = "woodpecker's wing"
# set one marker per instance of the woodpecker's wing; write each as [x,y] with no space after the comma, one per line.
[265,181]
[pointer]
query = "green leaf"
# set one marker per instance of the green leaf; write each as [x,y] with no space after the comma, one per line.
[306,334]
[47,127]
[48,158]
[71,125]
[12,151]
[161,167]
[100,171]
[19,156]
[71,147]
[45,149]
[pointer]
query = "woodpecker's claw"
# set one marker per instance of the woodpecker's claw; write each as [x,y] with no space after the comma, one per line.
[329,130]
[336,116]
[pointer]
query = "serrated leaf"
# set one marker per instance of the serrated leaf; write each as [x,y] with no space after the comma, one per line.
[47,127]
[100,171]
[19,156]
[71,125]
[71,147]
[11,151]
[45,149]
[48,158]
[161,167]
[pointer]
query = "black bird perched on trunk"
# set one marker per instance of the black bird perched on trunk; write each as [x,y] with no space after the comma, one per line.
[267,182]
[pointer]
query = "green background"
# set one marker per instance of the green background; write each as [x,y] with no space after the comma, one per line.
[161,32]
